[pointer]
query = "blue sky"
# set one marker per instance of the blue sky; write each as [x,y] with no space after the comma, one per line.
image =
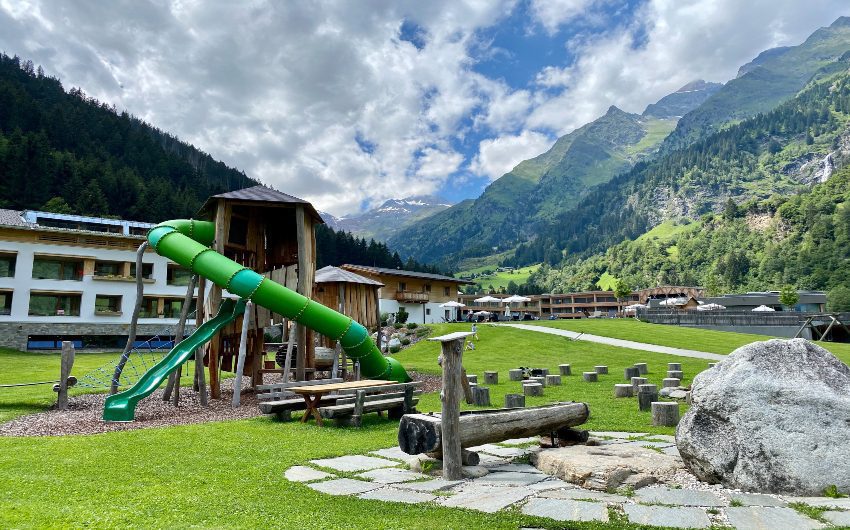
[348,104]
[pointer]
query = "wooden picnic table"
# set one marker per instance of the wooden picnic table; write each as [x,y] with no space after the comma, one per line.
[313,394]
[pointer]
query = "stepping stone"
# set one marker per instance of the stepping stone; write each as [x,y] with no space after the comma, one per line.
[304,474]
[837,518]
[681,497]
[562,510]
[828,502]
[662,438]
[392,452]
[551,484]
[672,450]
[489,460]
[397,495]
[578,494]
[673,517]
[510,478]
[485,498]
[392,475]
[519,468]
[354,463]
[648,443]
[771,517]
[509,451]
[756,499]
[617,434]
[344,486]
[438,484]
[521,441]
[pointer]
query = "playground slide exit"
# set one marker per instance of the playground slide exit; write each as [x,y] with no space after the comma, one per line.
[122,406]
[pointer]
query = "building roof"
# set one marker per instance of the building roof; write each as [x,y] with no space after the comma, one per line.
[261,194]
[331,274]
[405,274]
[70,223]
[12,218]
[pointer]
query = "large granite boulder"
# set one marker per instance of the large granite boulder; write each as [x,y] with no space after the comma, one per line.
[772,417]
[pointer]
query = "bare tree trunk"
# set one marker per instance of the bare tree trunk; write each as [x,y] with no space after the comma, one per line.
[134,321]
[174,379]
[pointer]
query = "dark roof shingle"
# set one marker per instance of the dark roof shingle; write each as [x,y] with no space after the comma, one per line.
[262,193]
[331,274]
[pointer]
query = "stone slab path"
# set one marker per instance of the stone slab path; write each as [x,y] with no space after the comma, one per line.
[510,483]
[633,345]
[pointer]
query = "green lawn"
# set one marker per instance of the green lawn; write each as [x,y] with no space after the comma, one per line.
[673,336]
[229,474]
[501,279]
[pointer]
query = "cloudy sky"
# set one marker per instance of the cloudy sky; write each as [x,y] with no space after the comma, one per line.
[347,103]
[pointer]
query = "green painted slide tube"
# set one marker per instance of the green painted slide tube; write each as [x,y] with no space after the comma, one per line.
[122,406]
[186,242]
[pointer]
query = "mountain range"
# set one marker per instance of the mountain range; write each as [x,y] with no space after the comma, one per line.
[389,218]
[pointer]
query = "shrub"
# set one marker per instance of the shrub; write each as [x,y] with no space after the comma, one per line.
[398,325]
[395,349]
[384,318]
[421,332]
[402,315]
[405,341]
[412,325]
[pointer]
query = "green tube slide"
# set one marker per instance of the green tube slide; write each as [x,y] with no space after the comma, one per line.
[186,242]
[122,406]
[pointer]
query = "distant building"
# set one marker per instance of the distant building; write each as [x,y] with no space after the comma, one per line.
[810,301]
[561,305]
[419,293]
[72,277]
[663,292]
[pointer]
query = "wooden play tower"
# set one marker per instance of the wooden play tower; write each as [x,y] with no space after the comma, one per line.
[274,234]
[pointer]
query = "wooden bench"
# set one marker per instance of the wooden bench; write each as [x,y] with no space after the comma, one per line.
[397,400]
[274,399]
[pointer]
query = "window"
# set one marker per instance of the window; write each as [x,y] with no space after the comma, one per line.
[173,306]
[55,304]
[57,269]
[5,302]
[427,287]
[149,307]
[107,304]
[427,310]
[446,291]
[7,265]
[402,286]
[108,268]
[238,233]
[138,231]
[178,276]
[147,270]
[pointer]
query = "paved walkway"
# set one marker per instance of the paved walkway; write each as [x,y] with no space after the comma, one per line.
[619,342]
[503,483]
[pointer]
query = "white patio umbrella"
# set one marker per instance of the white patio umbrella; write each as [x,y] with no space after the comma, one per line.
[487,299]
[511,299]
[763,308]
[672,301]
[456,305]
[711,307]
[633,308]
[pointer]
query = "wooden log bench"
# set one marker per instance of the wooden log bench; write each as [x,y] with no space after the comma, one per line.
[351,405]
[275,399]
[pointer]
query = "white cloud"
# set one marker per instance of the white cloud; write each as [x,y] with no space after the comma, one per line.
[551,14]
[497,156]
[679,41]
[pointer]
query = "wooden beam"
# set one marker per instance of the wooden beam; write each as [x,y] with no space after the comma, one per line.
[221,220]
[303,266]
[452,350]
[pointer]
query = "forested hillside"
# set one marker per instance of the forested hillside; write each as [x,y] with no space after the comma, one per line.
[93,159]
[338,247]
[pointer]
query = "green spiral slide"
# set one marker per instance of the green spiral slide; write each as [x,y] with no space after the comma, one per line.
[186,242]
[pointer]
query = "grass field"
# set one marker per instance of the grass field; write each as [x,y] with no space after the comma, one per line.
[230,474]
[501,279]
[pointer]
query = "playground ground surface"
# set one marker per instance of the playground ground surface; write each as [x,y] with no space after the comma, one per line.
[230,474]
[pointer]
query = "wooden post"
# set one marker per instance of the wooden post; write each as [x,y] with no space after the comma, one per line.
[64,373]
[134,321]
[623,390]
[491,378]
[636,382]
[632,371]
[601,369]
[214,348]
[513,401]
[646,395]
[515,374]
[591,377]
[565,369]
[553,380]
[174,378]
[452,351]
[466,384]
[677,374]
[243,348]
[200,376]
[481,396]
[287,363]
[665,413]
[532,389]
[304,288]
[674,366]
[670,382]
[643,369]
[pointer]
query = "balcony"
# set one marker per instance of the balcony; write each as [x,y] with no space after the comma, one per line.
[412,297]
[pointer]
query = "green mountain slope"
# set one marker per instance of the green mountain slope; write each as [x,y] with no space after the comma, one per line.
[773,77]
[539,190]
[754,206]
[62,144]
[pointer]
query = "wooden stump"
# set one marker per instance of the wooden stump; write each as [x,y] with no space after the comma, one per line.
[636,382]
[472,378]
[630,372]
[601,369]
[514,401]
[670,382]
[646,395]
[665,413]
[553,380]
[674,366]
[643,369]
[591,377]
[481,396]
[623,390]
[565,369]
[65,366]
[532,389]
[515,374]
[491,378]
[675,373]
[539,379]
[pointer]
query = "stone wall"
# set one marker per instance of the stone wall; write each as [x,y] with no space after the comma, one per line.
[14,334]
